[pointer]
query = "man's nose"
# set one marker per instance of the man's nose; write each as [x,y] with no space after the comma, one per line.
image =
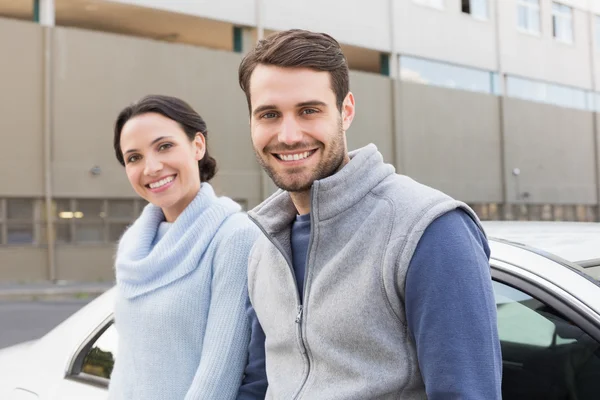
[290,132]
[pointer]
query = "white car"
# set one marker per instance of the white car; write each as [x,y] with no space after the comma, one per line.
[548,322]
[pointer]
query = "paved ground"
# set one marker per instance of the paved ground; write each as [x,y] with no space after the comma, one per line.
[26,320]
[28,311]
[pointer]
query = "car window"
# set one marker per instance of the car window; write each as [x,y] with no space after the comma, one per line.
[544,354]
[100,358]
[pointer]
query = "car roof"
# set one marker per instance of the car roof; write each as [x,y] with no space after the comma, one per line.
[577,242]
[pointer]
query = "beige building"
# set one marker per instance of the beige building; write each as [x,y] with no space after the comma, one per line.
[492,101]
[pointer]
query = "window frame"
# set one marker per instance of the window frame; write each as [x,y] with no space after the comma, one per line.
[431,4]
[559,14]
[478,17]
[74,369]
[532,9]
[534,289]
[447,71]
[34,222]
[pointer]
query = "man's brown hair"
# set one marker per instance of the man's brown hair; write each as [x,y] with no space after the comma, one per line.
[298,48]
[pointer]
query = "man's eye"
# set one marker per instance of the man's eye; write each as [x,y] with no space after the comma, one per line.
[269,115]
[309,111]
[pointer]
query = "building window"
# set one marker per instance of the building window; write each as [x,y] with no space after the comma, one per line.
[559,95]
[477,8]
[528,16]
[94,221]
[439,4]
[436,73]
[562,22]
[19,227]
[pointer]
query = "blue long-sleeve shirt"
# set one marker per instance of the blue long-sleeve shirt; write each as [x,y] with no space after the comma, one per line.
[450,311]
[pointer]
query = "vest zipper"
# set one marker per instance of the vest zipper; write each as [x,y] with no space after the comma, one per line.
[298,394]
[300,308]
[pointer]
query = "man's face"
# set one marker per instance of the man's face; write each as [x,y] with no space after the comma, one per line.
[298,133]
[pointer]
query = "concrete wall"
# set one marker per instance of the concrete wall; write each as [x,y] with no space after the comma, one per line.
[96,74]
[235,11]
[21,113]
[554,149]
[359,23]
[85,263]
[373,122]
[458,150]
[542,57]
[447,35]
[23,264]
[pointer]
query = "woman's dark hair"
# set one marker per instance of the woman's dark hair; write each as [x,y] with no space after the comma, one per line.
[177,110]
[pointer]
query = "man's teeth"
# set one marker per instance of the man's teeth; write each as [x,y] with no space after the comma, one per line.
[162,182]
[295,157]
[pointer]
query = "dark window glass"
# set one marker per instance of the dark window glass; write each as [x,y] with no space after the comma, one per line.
[100,359]
[115,231]
[544,355]
[19,209]
[89,233]
[19,233]
[120,209]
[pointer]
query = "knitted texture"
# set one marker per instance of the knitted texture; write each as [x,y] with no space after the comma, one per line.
[180,308]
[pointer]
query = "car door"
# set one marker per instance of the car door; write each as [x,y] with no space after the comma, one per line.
[550,351]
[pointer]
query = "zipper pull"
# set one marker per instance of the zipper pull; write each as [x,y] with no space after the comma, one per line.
[299,316]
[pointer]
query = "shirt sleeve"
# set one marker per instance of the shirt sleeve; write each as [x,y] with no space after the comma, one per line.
[451,311]
[254,386]
[225,345]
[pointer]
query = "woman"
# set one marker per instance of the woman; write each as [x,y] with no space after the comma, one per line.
[181,267]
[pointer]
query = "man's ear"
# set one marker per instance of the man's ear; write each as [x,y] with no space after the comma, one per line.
[199,146]
[348,110]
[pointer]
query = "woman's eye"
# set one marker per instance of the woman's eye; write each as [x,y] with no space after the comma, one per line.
[132,159]
[165,146]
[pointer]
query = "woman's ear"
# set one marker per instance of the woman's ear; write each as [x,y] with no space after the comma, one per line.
[199,146]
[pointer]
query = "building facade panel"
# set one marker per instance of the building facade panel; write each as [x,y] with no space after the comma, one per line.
[358,23]
[21,122]
[451,141]
[96,74]
[373,122]
[86,263]
[538,54]
[553,149]
[23,264]
[235,11]
[445,34]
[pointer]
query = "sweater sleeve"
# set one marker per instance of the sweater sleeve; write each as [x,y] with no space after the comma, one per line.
[254,385]
[225,347]
[451,311]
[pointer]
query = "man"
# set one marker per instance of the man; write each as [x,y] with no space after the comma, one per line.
[367,284]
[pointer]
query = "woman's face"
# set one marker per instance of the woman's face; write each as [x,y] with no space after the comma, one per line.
[161,162]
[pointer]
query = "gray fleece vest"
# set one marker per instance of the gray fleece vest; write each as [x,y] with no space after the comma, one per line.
[349,340]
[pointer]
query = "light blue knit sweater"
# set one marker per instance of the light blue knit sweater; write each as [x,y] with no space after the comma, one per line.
[180,309]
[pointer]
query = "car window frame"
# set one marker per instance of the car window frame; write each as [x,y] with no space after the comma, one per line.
[573,310]
[74,370]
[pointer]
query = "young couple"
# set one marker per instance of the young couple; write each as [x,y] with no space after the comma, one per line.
[350,282]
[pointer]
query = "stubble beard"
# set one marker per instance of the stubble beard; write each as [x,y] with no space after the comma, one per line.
[329,165]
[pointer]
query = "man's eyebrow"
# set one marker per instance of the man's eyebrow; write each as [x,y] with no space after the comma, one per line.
[260,109]
[312,103]
[158,139]
[309,103]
